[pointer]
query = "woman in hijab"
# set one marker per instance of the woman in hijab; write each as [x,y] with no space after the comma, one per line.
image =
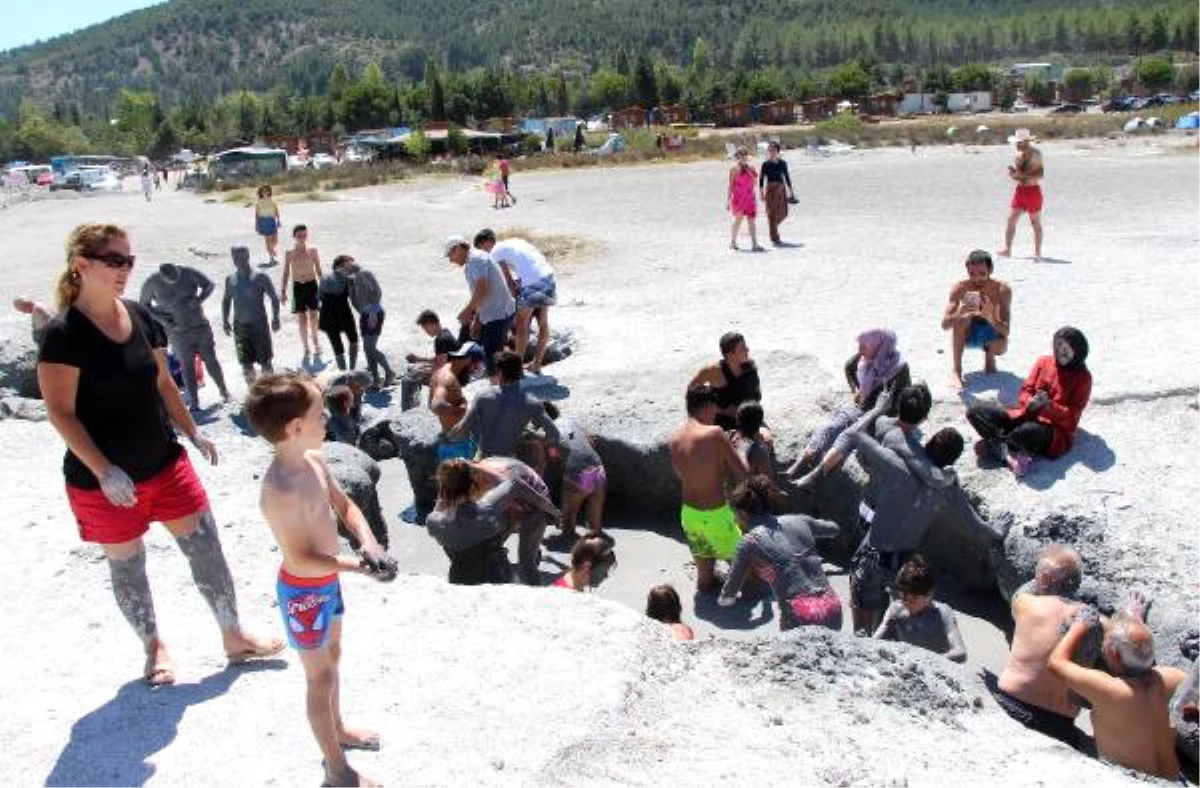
[1044,421]
[876,365]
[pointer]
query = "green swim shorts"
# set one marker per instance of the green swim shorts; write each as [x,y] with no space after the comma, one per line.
[710,534]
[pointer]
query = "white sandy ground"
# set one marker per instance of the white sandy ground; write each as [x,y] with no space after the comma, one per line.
[513,686]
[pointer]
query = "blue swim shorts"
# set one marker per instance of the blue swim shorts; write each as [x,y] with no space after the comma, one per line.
[308,606]
[464,449]
[266,225]
[980,333]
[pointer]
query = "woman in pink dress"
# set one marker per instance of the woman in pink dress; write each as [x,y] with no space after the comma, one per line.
[743,203]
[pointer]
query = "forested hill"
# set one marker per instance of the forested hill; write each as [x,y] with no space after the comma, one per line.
[200,49]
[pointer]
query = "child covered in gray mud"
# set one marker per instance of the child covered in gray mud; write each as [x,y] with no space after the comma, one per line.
[916,619]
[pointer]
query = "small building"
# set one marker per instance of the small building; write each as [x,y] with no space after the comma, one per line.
[674,114]
[819,108]
[628,117]
[1049,72]
[781,112]
[505,125]
[880,105]
[733,114]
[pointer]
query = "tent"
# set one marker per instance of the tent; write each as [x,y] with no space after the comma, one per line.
[1189,121]
[1134,124]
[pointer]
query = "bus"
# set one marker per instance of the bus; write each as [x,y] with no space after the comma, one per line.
[61,165]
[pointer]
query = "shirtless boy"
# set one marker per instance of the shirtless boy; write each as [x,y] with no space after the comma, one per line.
[977,315]
[703,458]
[302,503]
[1026,689]
[1026,170]
[1129,707]
[448,403]
[303,264]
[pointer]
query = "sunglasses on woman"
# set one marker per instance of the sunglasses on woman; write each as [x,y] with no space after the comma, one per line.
[114,260]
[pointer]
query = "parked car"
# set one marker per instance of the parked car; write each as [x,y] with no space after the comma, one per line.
[1020,106]
[1067,109]
[322,161]
[1117,104]
[71,181]
[101,181]
[1194,96]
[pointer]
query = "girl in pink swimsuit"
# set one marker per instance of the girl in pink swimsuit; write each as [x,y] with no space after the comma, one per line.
[743,203]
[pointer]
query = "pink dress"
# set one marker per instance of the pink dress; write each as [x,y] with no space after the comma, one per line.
[743,201]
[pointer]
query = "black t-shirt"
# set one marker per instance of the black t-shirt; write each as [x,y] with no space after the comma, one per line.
[445,343]
[774,171]
[117,400]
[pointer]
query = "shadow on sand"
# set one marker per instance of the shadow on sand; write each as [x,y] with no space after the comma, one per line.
[114,744]
[1090,450]
[1050,260]
[1007,386]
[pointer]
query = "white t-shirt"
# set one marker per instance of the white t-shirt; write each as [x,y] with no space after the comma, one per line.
[527,263]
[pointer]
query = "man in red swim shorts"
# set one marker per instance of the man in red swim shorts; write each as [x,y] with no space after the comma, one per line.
[1027,171]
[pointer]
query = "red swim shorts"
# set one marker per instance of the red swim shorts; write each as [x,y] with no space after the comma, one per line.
[1028,199]
[172,493]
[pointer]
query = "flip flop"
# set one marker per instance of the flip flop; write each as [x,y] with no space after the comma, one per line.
[158,675]
[269,649]
[370,745]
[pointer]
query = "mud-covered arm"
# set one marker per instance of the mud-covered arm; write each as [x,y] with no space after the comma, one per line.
[887,627]
[1094,685]
[743,559]
[960,508]
[919,465]
[957,652]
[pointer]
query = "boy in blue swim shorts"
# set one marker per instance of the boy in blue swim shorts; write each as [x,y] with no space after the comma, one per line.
[302,503]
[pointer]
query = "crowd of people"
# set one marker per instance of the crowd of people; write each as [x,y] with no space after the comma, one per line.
[510,464]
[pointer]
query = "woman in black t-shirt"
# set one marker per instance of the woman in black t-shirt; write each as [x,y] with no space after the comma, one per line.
[103,373]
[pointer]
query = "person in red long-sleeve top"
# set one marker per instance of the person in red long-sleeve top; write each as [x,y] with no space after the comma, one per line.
[1047,413]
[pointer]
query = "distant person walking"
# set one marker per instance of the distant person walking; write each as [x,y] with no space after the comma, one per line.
[147,184]
[336,318]
[579,139]
[267,223]
[741,201]
[1027,171]
[775,188]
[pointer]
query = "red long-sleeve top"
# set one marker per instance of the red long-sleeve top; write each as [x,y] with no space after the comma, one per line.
[1069,391]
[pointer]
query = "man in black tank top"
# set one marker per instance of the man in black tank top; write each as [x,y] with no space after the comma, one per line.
[735,378]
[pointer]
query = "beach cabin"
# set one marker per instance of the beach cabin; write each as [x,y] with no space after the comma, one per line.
[781,112]
[629,117]
[733,114]
[675,114]
[819,108]
[879,105]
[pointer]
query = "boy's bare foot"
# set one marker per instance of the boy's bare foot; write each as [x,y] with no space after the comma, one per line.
[1004,252]
[956,382]
[158,671]
[359,739]
[241,646]
[347,777]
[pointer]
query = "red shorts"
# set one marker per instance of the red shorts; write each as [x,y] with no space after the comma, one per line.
[172,493]
[1028,199]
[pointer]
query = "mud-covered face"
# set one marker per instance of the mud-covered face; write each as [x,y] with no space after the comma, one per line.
[1064,354]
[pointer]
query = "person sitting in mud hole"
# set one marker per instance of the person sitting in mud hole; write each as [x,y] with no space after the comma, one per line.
[914,617]
[1129,701]
[663,605]
[584,480]
[591,561]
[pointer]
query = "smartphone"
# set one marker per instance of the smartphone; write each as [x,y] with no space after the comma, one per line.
[970,299]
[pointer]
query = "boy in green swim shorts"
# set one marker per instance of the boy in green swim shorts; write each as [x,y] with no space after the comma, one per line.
[703,458]
[710,534]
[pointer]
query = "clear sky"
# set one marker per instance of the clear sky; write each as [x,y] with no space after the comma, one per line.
[27,21]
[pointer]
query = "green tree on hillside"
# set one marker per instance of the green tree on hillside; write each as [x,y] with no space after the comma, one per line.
[849,81]
[436,108]
[1155,73]
[367,103]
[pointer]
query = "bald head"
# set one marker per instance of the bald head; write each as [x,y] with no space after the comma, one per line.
[1130,641]
[1059,570]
